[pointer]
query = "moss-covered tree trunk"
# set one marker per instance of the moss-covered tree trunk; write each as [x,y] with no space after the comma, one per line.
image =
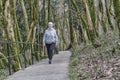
[117,13]
[72,39]
[25,16]
[11,35]
[92,35]
[108,14]
[44,13]
[49,10]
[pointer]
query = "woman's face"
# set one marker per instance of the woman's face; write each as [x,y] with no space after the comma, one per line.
[50,25]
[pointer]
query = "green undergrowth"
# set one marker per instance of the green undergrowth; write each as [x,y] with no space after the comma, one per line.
[3,74]
[101,63]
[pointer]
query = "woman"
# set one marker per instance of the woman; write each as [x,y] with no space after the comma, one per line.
[50,39]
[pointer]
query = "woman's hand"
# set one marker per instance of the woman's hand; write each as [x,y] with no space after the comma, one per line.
[43,44]
[56,44]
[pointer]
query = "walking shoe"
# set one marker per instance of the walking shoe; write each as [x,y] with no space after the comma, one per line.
[50,62]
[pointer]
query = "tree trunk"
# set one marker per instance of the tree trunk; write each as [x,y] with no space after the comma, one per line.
[89,21]
[49,10]
[11,33]
[108,15]
[117,13]
[25,16]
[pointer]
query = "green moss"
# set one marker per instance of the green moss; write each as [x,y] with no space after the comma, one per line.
[117,12]
[104,26]
[108,15]
[3,62]
[117,9]
[3,74]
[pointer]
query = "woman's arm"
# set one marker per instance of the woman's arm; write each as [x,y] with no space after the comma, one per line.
[56,38]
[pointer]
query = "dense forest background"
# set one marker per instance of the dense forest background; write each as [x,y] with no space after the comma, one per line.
[76,22]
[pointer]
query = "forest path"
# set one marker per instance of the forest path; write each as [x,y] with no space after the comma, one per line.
[58,70]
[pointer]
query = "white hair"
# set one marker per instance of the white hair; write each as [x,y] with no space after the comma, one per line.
[50,23]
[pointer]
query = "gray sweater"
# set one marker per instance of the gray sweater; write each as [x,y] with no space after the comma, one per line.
[50,36]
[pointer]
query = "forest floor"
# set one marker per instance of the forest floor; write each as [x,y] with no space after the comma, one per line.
[101,63]
[58,70]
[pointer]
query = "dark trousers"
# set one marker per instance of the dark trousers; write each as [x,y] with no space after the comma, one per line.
[50,48]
